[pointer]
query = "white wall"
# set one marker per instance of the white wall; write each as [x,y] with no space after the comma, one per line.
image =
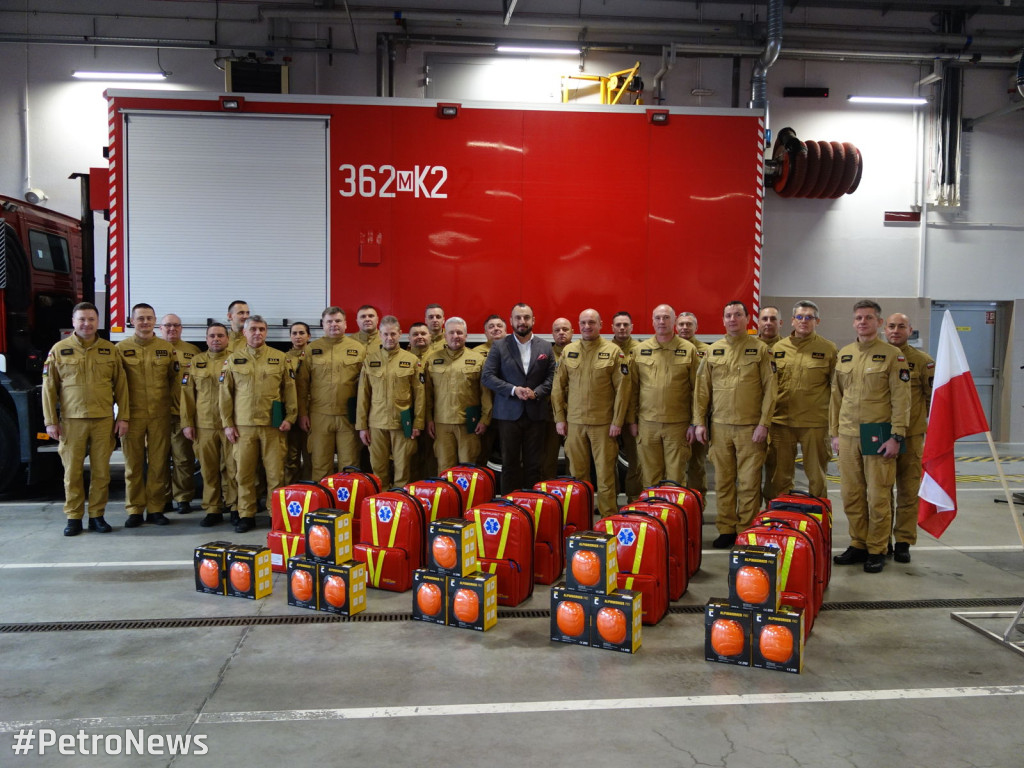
[817,248]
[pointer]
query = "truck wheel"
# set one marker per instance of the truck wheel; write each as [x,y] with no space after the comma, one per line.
[10,455]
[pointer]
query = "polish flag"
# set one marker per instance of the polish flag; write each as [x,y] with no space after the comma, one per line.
[955,412]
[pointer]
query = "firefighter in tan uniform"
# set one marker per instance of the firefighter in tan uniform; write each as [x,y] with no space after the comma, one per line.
[366,319]
[908,464]
[561,335]
[298,462]
[150,365]
[804,365]
[327,385]
[424,463]
[201,423]
[455,398]
[664,375]
[82,381]
[495,329]
[622,326]
[768,323]
[591,399]
[736,389]
[238,313]
[433,316]
[391,405]
[871,386]
[252,381]
[697,466]
[183,457]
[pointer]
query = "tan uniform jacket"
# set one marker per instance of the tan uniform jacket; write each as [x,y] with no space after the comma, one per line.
[200,391]
[922,372]
[871,385]
[593,384]
[736,382]
[368,340]
[664,376]
[557,350]
[185,353]
[329,376]
[84,381]
[453,384]
[152,370]
[390,382]
[629,347]
[804,368]
[772,342]
[236,340]
[251,380]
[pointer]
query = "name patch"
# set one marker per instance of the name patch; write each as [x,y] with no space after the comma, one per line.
[649,352]
[273,361]
[240,360]
[680,353]
[67,351]
[718,352]
[128,352]
[352,352]
[749,351]
[573,354]
[404,364]
[818,355]
[375,363]
[200,364]
[316,351]
[780,354]
[103,351]
[161,353]
[878,358]
[603,355]
[846,358]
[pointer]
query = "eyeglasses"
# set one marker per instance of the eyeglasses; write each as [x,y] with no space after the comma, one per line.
[805,317]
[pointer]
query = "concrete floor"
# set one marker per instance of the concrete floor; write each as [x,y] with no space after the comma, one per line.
[883,685]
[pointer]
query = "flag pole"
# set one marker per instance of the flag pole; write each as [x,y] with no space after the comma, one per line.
[1006,488]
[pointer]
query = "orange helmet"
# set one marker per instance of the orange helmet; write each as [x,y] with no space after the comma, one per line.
[752,584]
[445,551]
[727,637]
[776,643]
[586,567]
[611,624]
[241,576]
[302,585]
[570,618]
[334,591]
[466,605]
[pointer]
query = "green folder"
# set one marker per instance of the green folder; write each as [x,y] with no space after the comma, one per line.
[473,414]
[873,435]
[405,415]
[276,413]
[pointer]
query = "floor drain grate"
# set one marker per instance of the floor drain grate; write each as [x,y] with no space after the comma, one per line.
[326,618]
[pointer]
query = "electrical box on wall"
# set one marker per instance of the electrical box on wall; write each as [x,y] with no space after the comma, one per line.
[255,77]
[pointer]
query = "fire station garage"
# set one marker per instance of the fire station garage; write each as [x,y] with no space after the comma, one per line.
[632,159]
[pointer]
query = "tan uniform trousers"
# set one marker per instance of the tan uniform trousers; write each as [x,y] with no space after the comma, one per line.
[79,438]
[215,454]
[183,462]
[697,468]
[738,461]
[908,483]
[867,483]
[329,435]
[591,440]
[632,486]
[553,443]
[817,450]
[258,447]
[664,452]
[454,444]
[389,446]
[147,450]
[298,463]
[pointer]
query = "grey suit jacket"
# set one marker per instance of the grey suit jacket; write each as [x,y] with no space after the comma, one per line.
[504,370]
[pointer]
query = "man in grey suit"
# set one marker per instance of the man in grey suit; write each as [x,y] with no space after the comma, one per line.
[519,370]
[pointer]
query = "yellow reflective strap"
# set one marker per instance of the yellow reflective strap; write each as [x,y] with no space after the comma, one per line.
[504,535]
[641,540]
[629,582]
[282,502]
[436,503]
[479,533]
[373,521]
[472,491]
[394,524]
[294,546]
[752,538]
[305,509]
[536,516]
[787,561]
[352,496]
[370,569]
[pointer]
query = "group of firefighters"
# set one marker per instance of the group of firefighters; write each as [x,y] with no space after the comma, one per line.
[257,418]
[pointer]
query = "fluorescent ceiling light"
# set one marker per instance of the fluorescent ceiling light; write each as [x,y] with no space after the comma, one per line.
[886,100]
[537,49]
[83,75]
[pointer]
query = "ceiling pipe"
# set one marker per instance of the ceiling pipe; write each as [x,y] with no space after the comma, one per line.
[759,75]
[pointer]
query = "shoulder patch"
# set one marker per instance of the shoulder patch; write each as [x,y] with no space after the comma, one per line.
[846,358]
[900,358]
[910,366]
[904,374]
[718,352]
[184,379]
[880,358]
[648,352]
[572,354]
[67,351]
[624,369]
[318,351]
[103,351]
[701,353]
[815,355]
[930,366]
